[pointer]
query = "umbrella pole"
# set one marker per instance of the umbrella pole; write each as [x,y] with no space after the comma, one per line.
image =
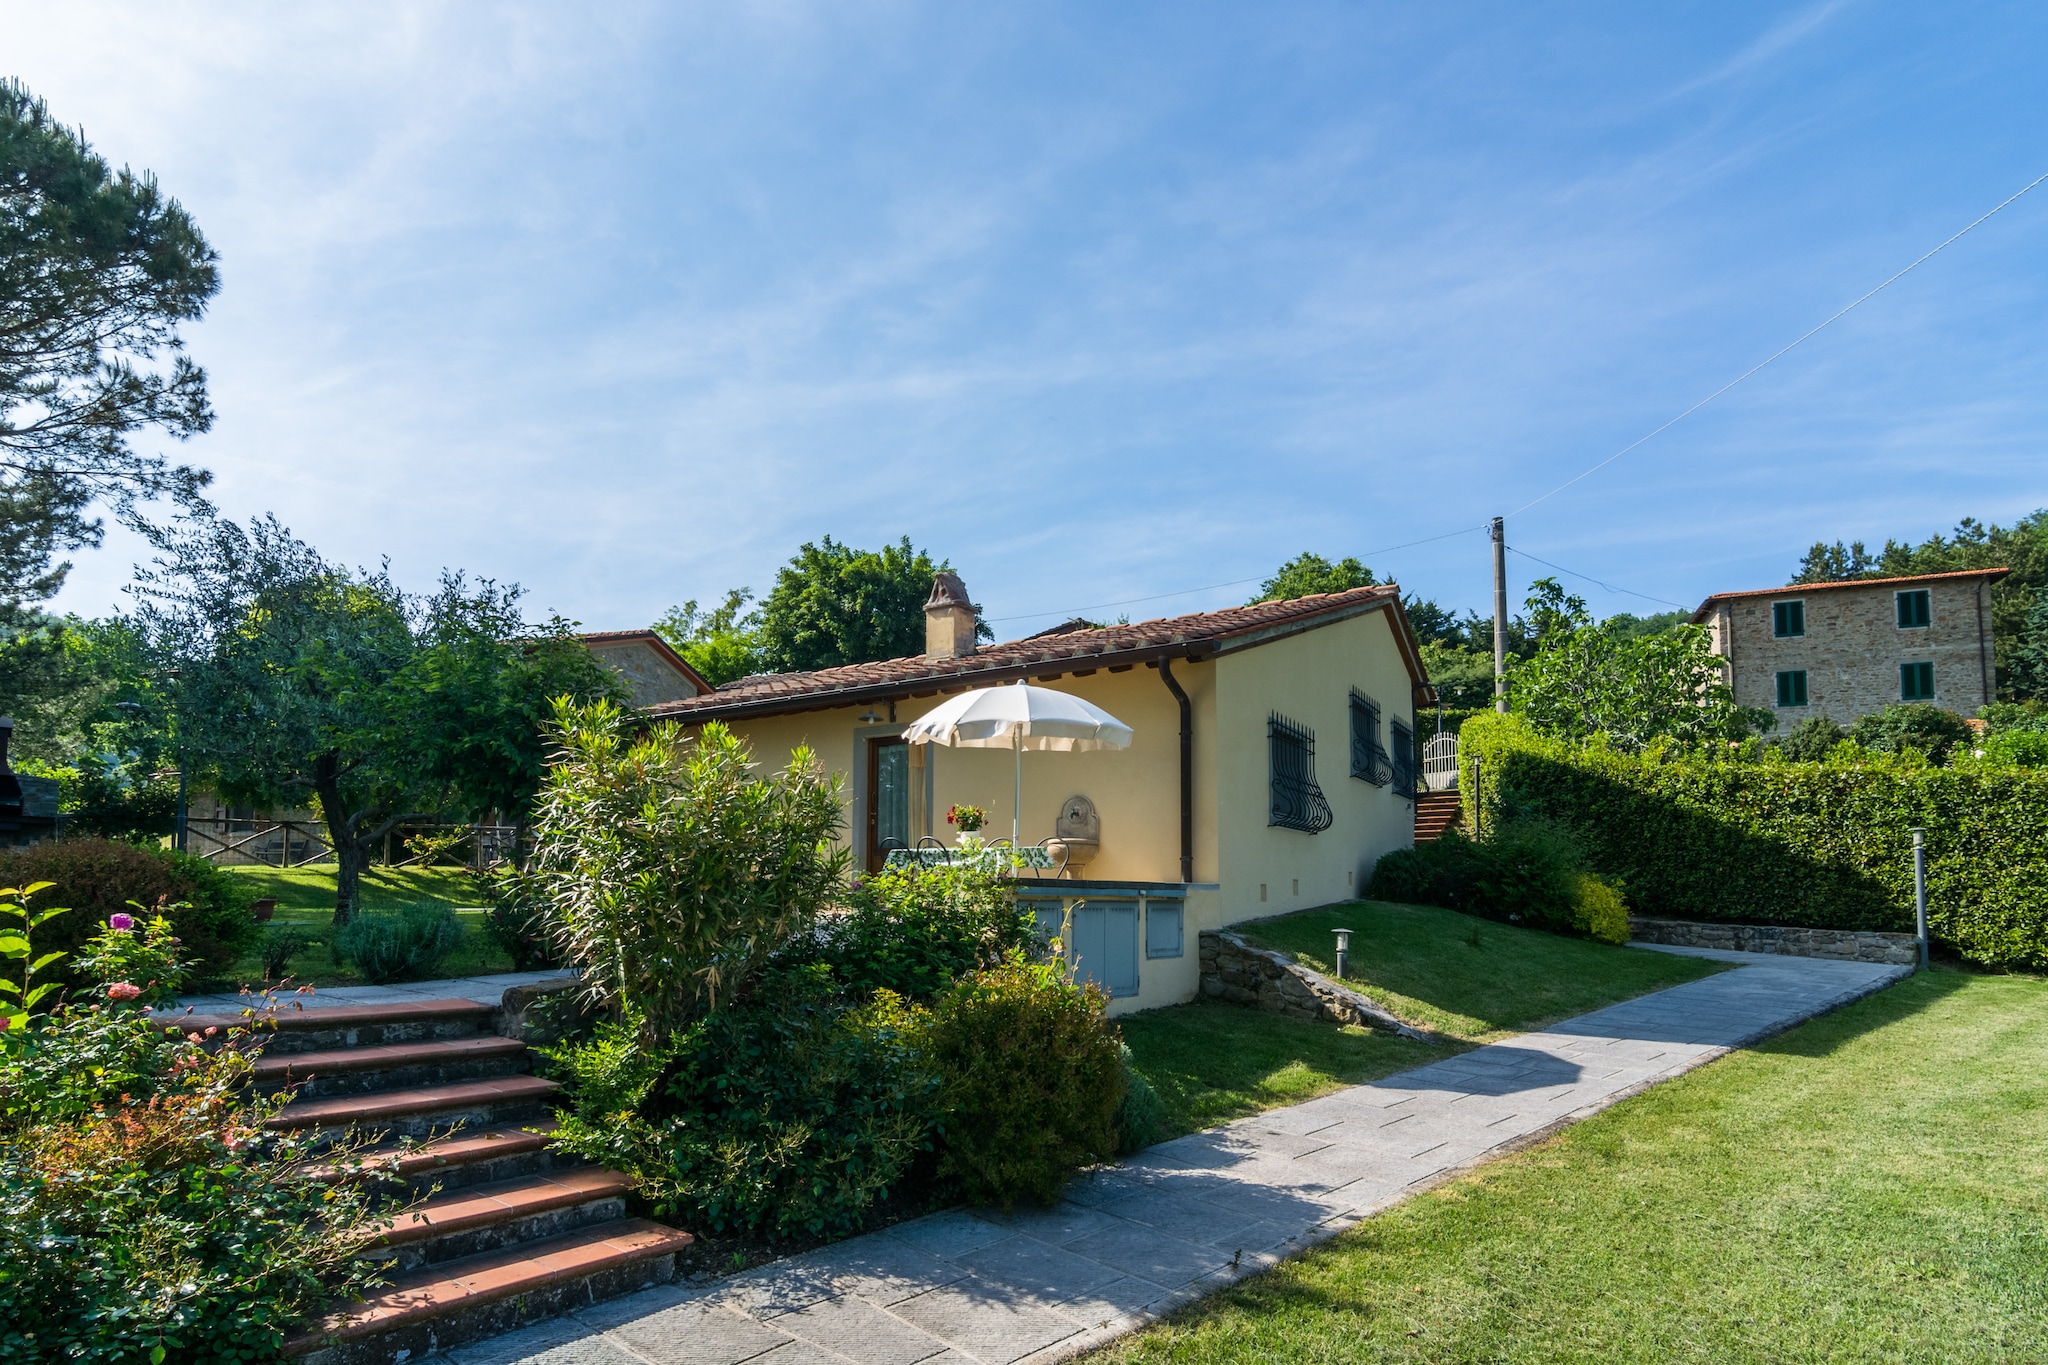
[1017,801]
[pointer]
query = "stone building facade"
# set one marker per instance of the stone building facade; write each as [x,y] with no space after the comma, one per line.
[1844,650]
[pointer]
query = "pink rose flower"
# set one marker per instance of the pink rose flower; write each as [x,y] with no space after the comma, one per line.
[121,990]
[124,923]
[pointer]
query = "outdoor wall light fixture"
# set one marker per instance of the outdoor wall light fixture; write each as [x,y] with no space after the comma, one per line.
[871,718]
[1343,949]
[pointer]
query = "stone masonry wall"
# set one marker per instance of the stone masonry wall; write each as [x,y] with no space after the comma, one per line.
[1235,972]
[1853,647]
[1853,945]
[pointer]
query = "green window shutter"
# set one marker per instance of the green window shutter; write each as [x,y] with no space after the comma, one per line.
[1792,687]
[1916,682]
[1788,619]
[1914,610]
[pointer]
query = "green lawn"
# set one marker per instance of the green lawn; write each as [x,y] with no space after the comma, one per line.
[1872,1186]
[305,898]
[1469,980]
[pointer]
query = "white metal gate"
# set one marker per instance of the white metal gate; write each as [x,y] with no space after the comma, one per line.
[1440,763]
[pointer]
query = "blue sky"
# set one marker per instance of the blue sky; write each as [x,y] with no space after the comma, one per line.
[1101,302]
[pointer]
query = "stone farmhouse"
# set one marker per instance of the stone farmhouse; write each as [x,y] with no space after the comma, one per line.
[1223,808]
[1844,650]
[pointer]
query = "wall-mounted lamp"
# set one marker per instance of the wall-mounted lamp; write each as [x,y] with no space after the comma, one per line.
[871,718]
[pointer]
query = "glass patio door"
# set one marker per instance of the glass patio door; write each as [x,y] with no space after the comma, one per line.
[888,799]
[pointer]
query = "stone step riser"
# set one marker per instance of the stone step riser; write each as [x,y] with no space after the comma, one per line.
[441,1122]
[320,1084]
[462,1175]
[532,1227]
[287,1041]
[466,1322]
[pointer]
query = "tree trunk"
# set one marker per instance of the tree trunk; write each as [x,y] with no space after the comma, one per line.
[350,857]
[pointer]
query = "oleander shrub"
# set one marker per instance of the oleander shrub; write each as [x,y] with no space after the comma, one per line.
[1031,1081]
[1703,834]
[915,931]
[792,1114]
[208,906]
[408,944]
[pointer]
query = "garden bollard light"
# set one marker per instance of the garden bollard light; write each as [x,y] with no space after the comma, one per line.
[1343,949]
[1920,892]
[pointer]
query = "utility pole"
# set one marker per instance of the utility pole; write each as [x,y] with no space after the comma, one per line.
[1500,616]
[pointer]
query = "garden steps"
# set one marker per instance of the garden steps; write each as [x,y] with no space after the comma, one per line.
[458,1301]
[506,1229]
[1435,812]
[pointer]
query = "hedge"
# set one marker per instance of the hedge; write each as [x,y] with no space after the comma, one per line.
[1825,845]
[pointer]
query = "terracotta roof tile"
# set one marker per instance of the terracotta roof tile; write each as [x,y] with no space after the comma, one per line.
[1795,589]
[1200,633]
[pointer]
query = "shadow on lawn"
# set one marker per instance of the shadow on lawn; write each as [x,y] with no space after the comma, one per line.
[1894,1004]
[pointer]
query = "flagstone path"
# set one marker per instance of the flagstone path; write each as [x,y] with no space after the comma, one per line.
[1134,1241]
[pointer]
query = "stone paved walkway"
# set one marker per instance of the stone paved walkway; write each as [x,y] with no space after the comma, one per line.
[488,990]
[1132,1242]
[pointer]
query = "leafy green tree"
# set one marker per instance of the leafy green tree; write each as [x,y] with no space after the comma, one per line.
[1457,652]
[291,680]
[721,644]
[1309,574]
[1586,680]
[834,605]
[98,270]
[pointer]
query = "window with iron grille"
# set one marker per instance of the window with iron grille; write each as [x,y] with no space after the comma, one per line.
[1406,769]
[1298,803]
[1369,761]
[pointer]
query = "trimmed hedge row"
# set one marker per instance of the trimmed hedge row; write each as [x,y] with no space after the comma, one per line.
[1825,845]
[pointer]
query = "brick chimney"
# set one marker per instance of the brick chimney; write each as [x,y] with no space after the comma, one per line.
[948,619]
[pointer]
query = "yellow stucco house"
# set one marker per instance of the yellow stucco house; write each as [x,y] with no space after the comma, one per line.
[1272,763]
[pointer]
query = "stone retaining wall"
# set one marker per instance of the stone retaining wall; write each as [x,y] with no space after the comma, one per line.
[1235,972]
[1851,945]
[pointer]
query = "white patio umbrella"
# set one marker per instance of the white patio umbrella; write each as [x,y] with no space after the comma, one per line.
[1019,717]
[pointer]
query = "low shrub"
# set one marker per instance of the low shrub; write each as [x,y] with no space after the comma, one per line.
[208,907]
[146,1213]
[915,930]
[790,1115]
[1531,872]
[513,905]
[1697,835]
[138,959]
[408,945]
[1811,740]
[2017,748]
[1141,1118]
[281,943]
[1916,726]
[1031,1082]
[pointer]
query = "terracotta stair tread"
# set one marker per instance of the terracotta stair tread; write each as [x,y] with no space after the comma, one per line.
[434,1291]
[464,1148]
[387,1056]
[337,1111]
[340,1016]
[504,1200]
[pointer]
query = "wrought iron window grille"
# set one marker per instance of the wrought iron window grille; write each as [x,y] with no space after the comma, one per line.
[1298,803]
[1405,766]
[1370,761]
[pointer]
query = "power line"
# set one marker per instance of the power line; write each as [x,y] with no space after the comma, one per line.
[1843,312]
[1213,587]
[1590,579]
